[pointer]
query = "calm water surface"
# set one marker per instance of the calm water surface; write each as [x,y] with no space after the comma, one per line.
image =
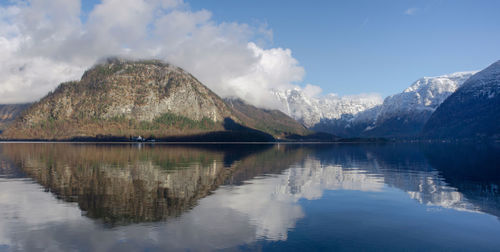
[112,197]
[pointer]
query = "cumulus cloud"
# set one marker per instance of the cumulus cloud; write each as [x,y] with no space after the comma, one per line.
[45,42]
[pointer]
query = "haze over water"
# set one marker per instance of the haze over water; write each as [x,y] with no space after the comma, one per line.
[128,197]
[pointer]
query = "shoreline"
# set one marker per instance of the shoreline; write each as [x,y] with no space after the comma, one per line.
[191,142]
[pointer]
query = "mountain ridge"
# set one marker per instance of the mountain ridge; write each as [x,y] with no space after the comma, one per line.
[119,99]
[311,110]
[404,114]
[123,98]
[473,111]
[399,115]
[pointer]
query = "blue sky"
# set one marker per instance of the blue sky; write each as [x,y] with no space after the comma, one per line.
[349,47]
[345,47]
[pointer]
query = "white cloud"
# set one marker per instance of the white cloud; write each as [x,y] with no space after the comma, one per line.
[312,90]
[411,11]
[44,43]
[275,69]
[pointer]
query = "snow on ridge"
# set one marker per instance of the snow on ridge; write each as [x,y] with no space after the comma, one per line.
[424,95]
[310,110]
[458,77]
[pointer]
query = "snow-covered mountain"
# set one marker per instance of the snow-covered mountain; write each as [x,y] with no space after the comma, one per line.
[405,114]
[402,114]
[312,110]
[472,111]
[425,94]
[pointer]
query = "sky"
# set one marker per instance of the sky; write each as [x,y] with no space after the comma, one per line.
[350,47]
[246,48]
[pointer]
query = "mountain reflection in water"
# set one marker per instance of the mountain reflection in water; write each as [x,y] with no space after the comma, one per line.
[217,196]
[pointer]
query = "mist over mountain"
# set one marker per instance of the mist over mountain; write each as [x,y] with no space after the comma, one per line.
[44,43]
[124,98]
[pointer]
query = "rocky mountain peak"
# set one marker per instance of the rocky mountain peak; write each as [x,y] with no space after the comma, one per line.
[117,94]
[119,98]
[140,90]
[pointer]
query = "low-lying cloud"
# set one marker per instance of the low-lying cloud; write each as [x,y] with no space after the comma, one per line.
[46,42]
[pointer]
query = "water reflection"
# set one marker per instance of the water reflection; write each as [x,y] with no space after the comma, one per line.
[218,196]
[121,185]
[136,183]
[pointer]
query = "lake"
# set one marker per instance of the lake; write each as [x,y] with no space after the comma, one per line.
[284,197]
